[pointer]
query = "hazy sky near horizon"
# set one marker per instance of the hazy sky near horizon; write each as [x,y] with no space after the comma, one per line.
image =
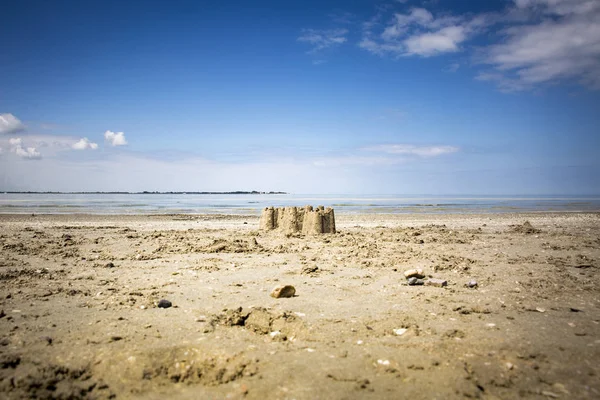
[365,96]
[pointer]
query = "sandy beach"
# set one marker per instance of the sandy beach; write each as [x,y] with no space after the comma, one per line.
[79,315]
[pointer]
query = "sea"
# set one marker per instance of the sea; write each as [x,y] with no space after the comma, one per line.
[252,204]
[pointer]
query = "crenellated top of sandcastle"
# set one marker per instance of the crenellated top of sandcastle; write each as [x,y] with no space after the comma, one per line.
[298,219]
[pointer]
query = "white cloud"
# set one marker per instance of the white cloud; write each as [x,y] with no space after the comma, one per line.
[559,7]
[84,144]
[531,43]
[421,151]
[443,41]
[420,33]
[563,43]
[10,124]
[323,39]
[29,153]
[115,139]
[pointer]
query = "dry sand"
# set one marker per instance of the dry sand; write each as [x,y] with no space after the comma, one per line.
[79,317]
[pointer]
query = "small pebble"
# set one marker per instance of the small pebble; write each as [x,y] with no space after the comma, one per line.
[471,284]
[436,282]
[400,331]
[416,273]
[110,265]
[283,291]
[164,304]
[414,281]
[47,339]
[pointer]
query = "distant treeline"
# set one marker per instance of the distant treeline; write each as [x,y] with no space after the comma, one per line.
[147,192]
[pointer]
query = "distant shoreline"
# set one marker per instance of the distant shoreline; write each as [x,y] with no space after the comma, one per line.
[147,192]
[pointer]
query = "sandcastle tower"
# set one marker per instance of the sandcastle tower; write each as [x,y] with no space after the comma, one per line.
[298,219]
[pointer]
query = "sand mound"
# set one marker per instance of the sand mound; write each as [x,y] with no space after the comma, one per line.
[298,219]
[526,228]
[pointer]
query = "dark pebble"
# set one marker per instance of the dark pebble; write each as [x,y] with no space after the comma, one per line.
[164,304]
[415,281]
[47,339]
[110,265]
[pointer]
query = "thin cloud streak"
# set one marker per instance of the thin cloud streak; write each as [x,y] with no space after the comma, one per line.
[407,149]
[323,39]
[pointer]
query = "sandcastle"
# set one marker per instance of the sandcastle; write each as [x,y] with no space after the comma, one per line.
[298,219]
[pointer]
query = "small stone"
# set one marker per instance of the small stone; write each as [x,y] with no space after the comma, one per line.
[310,270]
[414,281]
[400,331]
[164,304]
[416,273]
[471,284]
[116,338]
[436,282]
[561,388]
[283,291]
[47,339]
[110,265]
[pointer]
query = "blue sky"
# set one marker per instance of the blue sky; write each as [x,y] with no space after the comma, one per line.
[378,97]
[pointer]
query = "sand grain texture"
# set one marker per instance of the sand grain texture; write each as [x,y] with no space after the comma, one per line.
[79,315]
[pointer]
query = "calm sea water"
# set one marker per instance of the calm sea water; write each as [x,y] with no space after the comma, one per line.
[252,204]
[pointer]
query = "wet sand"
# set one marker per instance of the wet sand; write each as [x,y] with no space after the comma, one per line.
[79,315]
